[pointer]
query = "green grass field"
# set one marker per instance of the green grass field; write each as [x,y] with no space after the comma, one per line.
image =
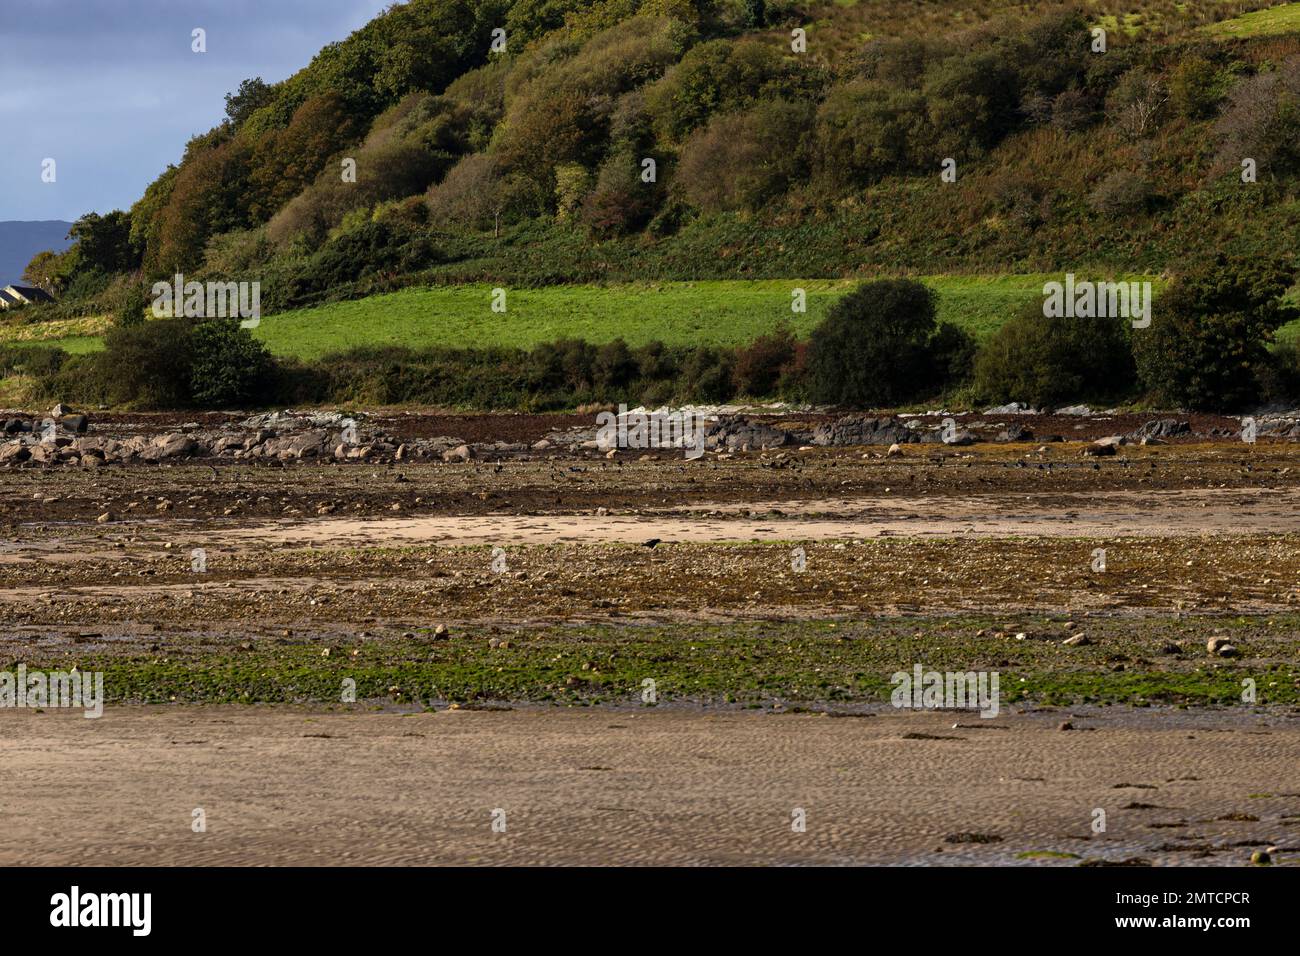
[1284,18]
[731,312]
[677,313]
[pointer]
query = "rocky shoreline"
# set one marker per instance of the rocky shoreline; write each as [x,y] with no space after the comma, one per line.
[67,437]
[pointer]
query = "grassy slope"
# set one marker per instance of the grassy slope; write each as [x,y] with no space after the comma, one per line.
[1284,18]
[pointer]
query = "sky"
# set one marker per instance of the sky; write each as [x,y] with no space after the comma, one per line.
[112,91]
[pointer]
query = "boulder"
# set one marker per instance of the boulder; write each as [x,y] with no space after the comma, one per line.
[459,453]
[1163,428]
[13,452]
[174,445]
[863,430]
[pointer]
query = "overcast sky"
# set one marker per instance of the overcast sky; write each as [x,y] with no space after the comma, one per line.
[111,90]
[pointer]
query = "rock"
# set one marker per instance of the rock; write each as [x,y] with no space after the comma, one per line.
[895,451]
[1170,648]
[1014,408]
[43,453]
[1074,410]
[307,445]
[105,518]
[1016,432]
[1098,450]
[59,410]
[1078,640]
[1214,643]
[14,452]
[1163,428]
[76,423]
[863,430]
[1227,650]
[442,631]
[170,446]
[1261,858]
[541,445]
[1065,725]
[459,453]
[15,425]
[737,433]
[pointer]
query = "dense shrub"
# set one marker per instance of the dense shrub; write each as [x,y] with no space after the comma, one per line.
[148,365]
[1261,121]
[742,161]
[1122,193]
[1279,378]
[875,347]
[866,130]
[229,368]
[1049,361]
[761,364]
[1208,340]
[134,304]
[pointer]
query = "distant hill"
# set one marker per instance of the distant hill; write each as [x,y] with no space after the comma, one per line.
[19,241]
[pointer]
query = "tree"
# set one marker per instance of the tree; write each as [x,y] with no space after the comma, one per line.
[873,349]
[105,241]
[251,96]
[1209,334]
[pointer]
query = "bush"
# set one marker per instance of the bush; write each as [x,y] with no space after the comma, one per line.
[230,368]
[1279,379]
[1262,121]
[1193,89]
[743,161]
[1050,361]
[874,347]
[707,375]
[1121,193]
[148,365]
[1208,341]
[760,365]
[134,304]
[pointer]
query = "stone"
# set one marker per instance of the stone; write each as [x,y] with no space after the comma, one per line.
[76,423]
[1015,433]
[863,430]
[170,446]
[1078,640]
[1163,428]
[459,453]
[14,452]
[1214,643]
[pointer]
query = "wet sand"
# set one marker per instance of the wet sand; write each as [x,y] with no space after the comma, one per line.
[621,786]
